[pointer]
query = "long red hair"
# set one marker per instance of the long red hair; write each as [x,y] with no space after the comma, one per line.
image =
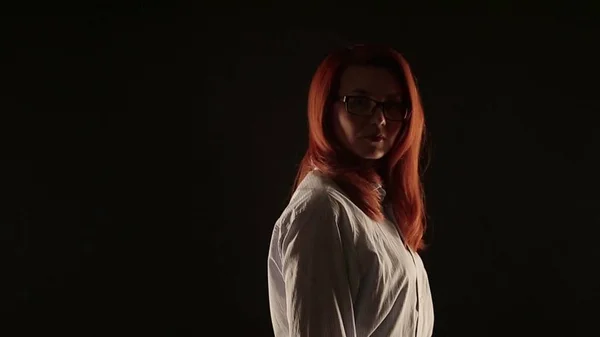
[399,169]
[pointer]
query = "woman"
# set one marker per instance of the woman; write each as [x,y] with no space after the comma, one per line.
[342,259]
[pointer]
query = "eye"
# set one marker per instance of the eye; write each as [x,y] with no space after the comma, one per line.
[360,102]
[395,110]
[394,105]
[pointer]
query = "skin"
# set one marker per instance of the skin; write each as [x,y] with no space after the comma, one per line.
[353,131]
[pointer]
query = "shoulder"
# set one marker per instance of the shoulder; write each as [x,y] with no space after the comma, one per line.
[313,218]
[315,195]
[316,198]
[316,216]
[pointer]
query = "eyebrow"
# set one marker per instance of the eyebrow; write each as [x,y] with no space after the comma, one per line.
[366,92]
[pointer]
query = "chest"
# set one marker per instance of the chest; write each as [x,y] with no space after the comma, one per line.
[384,264]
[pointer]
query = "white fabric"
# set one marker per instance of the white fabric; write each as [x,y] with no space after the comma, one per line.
[332,271]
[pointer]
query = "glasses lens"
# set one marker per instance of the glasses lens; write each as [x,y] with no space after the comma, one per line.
[395,110]
[358,105]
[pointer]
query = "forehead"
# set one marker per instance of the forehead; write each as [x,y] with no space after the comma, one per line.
[374,80]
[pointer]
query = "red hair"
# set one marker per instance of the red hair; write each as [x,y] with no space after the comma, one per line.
[399,170]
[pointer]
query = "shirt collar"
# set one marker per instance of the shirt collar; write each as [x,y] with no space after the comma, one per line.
[379,188]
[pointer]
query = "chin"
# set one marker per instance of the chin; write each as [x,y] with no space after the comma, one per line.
[372,155]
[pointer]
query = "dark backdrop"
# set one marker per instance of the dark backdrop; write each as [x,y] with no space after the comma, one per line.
[108,122]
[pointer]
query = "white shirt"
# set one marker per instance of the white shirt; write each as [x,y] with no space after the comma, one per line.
[333,271]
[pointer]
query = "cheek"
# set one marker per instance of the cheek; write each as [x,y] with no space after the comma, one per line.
[394,131]
[345,127]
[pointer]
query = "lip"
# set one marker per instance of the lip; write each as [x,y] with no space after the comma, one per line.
[375,138]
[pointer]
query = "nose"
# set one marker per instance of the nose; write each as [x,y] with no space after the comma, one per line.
[378,118]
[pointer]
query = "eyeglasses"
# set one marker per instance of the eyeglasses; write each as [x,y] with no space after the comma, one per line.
[365,106]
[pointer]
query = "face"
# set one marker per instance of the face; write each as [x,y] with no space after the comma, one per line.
[369,137]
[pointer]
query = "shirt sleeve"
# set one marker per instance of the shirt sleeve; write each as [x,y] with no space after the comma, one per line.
[318,296]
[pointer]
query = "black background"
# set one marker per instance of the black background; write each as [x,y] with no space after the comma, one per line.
[112,121]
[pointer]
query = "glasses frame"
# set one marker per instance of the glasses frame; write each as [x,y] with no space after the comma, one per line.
[380,104]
